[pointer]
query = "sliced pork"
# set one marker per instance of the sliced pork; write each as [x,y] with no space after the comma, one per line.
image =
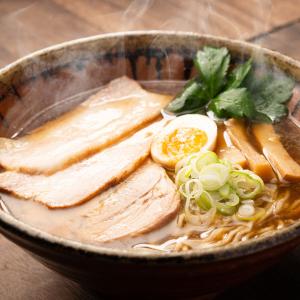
[114,112]
[143,202]
[83,180]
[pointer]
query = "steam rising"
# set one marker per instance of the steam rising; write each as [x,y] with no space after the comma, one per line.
[42,23]
[38,24]
[135,11]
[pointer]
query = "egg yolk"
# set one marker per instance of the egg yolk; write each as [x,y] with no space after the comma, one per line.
[183,141]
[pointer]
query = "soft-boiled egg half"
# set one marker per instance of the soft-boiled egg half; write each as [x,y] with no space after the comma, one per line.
[182,136]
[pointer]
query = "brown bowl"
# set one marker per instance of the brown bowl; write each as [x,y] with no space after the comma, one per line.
[38,81]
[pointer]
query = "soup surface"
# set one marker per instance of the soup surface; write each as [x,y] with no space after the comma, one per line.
[129,197]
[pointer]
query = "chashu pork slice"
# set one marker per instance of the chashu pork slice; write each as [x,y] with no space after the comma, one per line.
[117,110]
[143,202]
[83,180]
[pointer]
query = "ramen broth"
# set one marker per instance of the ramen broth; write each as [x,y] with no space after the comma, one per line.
[67,222]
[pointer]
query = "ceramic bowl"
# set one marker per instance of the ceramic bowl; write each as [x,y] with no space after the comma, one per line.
[35,82]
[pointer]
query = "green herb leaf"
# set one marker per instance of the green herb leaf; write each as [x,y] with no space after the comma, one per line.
[212,64]
[192,98]
[258,94]
[238,74]
[270,92]
[232,103]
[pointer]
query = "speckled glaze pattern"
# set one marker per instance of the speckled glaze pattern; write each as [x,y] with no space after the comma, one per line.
[40,80]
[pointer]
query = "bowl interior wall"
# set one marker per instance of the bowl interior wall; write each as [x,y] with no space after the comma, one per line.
[44,80]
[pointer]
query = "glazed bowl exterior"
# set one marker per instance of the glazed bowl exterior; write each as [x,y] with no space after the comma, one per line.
[40,80]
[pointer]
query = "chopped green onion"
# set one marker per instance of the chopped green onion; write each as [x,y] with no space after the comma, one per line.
[214,176]
[197,218]
[246,210]
[246,183]
[215,195]
[209,185]
[183,175]
[205,201]
[185,161]
[228,206]
[225,190]
[233,200]
[225,209]
[259,213]
[204,159]
[191,189]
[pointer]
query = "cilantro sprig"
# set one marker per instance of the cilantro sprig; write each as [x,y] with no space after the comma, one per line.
[244,91]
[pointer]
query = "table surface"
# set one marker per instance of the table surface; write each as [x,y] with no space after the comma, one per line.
[28,25]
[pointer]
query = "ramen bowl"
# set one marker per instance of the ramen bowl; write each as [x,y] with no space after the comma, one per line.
[33,84]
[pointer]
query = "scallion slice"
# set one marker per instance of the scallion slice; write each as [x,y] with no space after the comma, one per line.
[183,175]
[205,201]
[209,185]
[191,189]
[246,184]
[203,160]
[233,199]
[225,190]
[259,213]
[214,176]
[225,209]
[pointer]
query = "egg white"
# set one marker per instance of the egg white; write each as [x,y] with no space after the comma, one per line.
[196,121]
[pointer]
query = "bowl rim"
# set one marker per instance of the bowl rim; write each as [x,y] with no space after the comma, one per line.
[252,246]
